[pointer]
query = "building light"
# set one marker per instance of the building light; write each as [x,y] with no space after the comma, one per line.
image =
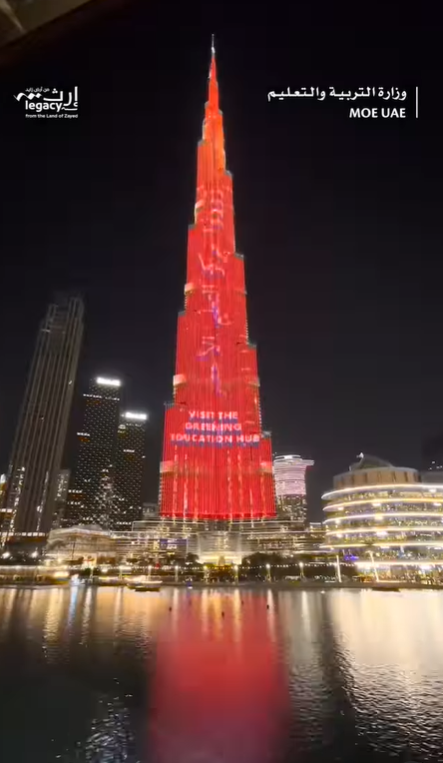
[104,382]
[135,416]
[128,450]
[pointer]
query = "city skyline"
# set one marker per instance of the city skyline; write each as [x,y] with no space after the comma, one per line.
[253,263]
[326,249]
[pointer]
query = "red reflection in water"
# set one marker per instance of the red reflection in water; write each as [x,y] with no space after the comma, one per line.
[219,692]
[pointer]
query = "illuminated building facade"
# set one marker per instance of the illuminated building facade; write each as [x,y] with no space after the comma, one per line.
[284,538]
[91,541]
[41,432]
[217,461]
[129,469]
[382,517]
[290,488]
[91,497]
[61,495]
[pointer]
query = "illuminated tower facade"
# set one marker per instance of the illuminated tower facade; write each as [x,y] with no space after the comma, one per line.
[217,461]
[41,432]
[61,496]
[129,469]
[290,488]
[91,494]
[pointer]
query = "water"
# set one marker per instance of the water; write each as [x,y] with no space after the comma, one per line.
[220,676]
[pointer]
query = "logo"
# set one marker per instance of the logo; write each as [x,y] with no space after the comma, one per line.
[55,105]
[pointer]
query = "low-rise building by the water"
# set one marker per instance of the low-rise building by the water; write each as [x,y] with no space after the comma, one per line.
[158,538]
[385,520]
[92,542]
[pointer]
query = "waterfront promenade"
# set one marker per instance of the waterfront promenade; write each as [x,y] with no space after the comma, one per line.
[277,585]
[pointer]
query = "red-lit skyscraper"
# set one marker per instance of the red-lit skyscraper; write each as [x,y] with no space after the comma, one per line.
[217,461]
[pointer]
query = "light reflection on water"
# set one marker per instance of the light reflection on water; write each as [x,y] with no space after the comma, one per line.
[218,676]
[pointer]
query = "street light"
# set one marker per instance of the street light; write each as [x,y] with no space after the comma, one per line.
[236,572]
[176,573]
[301,565]
[268,569]
[149,570]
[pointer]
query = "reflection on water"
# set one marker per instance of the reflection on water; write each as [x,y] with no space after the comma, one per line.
[391,660]
[219,693]
[216,676]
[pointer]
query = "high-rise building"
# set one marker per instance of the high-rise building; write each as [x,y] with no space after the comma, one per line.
[129,468]
[91,497]
[290,488]
[41,431]
[217,460]
[61,496]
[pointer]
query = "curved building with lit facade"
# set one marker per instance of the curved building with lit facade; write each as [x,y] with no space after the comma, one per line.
[382,517]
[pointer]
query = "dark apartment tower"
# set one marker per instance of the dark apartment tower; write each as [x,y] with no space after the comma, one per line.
[129,469]
[41,431]
[90,497]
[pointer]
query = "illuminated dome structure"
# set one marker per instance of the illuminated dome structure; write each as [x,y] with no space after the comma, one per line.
[382,516]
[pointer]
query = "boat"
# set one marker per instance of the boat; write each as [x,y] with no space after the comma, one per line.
[143,584]
[382,587]
[103,581]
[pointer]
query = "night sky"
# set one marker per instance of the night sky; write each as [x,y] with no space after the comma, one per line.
[339,221]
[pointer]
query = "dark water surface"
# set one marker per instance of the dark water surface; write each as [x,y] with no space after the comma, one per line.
[113,675]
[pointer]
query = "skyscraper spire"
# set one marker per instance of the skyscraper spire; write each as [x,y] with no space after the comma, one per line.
[212,107]
[217,462]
